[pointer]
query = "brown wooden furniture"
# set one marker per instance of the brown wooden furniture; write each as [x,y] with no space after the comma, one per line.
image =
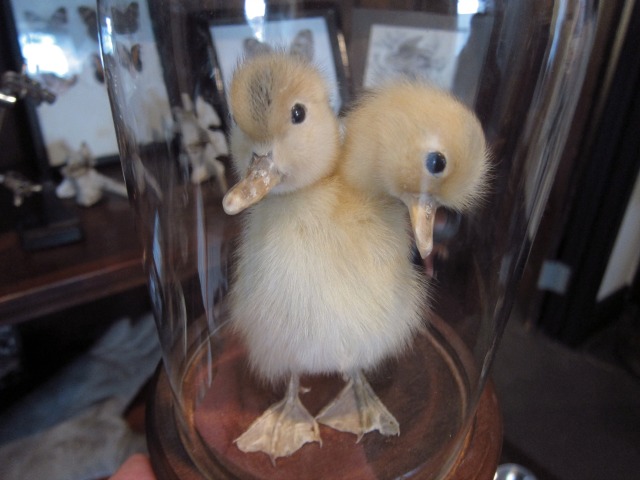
[107,261]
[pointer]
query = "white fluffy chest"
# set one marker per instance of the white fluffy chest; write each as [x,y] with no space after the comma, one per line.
[315,292]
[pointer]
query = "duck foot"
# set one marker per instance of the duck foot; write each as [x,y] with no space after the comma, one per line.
[357,409]
[282,429]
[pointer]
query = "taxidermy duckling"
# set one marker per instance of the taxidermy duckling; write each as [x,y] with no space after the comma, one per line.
[413,144]
[324,281]
[418,144]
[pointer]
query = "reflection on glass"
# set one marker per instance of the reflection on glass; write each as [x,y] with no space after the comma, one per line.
[494,56]
[254,11]
[43,55]
[470,6]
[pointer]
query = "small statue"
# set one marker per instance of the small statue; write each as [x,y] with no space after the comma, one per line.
[202,140]
[21,186]
[83,181]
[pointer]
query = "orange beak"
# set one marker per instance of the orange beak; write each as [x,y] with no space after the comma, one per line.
[422,211]
[262,176]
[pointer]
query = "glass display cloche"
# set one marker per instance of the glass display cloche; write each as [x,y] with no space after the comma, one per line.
[336,201]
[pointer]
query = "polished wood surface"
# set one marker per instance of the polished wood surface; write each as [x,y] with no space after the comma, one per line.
[477,460]
[107,261]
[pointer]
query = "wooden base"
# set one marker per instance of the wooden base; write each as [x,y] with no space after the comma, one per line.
[477,460]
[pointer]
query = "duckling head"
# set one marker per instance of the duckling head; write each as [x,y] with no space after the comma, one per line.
[420,145]
[285,135]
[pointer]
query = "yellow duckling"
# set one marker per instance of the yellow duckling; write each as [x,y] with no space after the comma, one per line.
[418,144]
[409,143]
[324,281]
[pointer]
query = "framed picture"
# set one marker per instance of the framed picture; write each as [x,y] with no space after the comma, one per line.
[58,43]
[313,34]
[448,51]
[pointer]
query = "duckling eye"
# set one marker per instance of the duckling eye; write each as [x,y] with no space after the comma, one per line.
[435,163]
[298,113]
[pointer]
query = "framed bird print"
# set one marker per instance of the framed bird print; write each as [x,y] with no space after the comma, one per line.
[58,43]
[448,51]
[312,35]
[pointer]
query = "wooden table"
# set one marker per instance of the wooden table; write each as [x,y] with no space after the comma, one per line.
[107,261]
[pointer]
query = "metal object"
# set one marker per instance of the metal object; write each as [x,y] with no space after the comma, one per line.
[21,186]
[513,471]
[14,86]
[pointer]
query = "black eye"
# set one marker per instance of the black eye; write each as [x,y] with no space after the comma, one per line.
[435,163]
[298,113]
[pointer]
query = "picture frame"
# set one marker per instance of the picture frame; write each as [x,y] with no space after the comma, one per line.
[58,45]
[448,51]
[315,34]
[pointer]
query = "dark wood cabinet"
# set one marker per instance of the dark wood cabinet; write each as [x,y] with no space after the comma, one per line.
[107,261]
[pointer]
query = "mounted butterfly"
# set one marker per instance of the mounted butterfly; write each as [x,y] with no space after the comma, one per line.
[130,57]
[125,21]
[48,28]
[56,22]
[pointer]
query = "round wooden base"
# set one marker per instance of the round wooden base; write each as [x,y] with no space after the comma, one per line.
[477,460]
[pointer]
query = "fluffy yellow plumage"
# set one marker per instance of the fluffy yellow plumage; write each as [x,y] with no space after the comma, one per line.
[393,129]
[324,279]
[396,131]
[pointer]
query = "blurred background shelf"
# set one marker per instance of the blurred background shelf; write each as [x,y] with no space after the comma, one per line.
[106,262]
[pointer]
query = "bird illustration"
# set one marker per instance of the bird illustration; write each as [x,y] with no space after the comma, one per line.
[324,280]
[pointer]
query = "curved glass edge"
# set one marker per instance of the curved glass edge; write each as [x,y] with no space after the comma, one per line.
[544,135]
[556,93]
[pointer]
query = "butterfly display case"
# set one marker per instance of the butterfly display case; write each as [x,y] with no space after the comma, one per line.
[58,46]
[169,67]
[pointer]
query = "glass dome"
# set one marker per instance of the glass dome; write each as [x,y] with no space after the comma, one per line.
[169,65]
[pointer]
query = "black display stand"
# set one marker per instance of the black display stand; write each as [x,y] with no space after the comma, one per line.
[44,221]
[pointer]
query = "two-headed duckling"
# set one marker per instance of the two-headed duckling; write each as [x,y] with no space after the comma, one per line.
[324,281]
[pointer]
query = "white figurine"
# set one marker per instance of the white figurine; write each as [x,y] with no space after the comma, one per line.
[202,140]
[83,182]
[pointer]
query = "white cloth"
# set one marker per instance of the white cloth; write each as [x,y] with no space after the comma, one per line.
[71,428]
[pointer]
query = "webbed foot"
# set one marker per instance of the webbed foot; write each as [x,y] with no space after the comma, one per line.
[357,409]
[282,429]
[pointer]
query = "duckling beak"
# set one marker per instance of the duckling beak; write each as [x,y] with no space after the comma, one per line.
[422,211]
[262,175]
